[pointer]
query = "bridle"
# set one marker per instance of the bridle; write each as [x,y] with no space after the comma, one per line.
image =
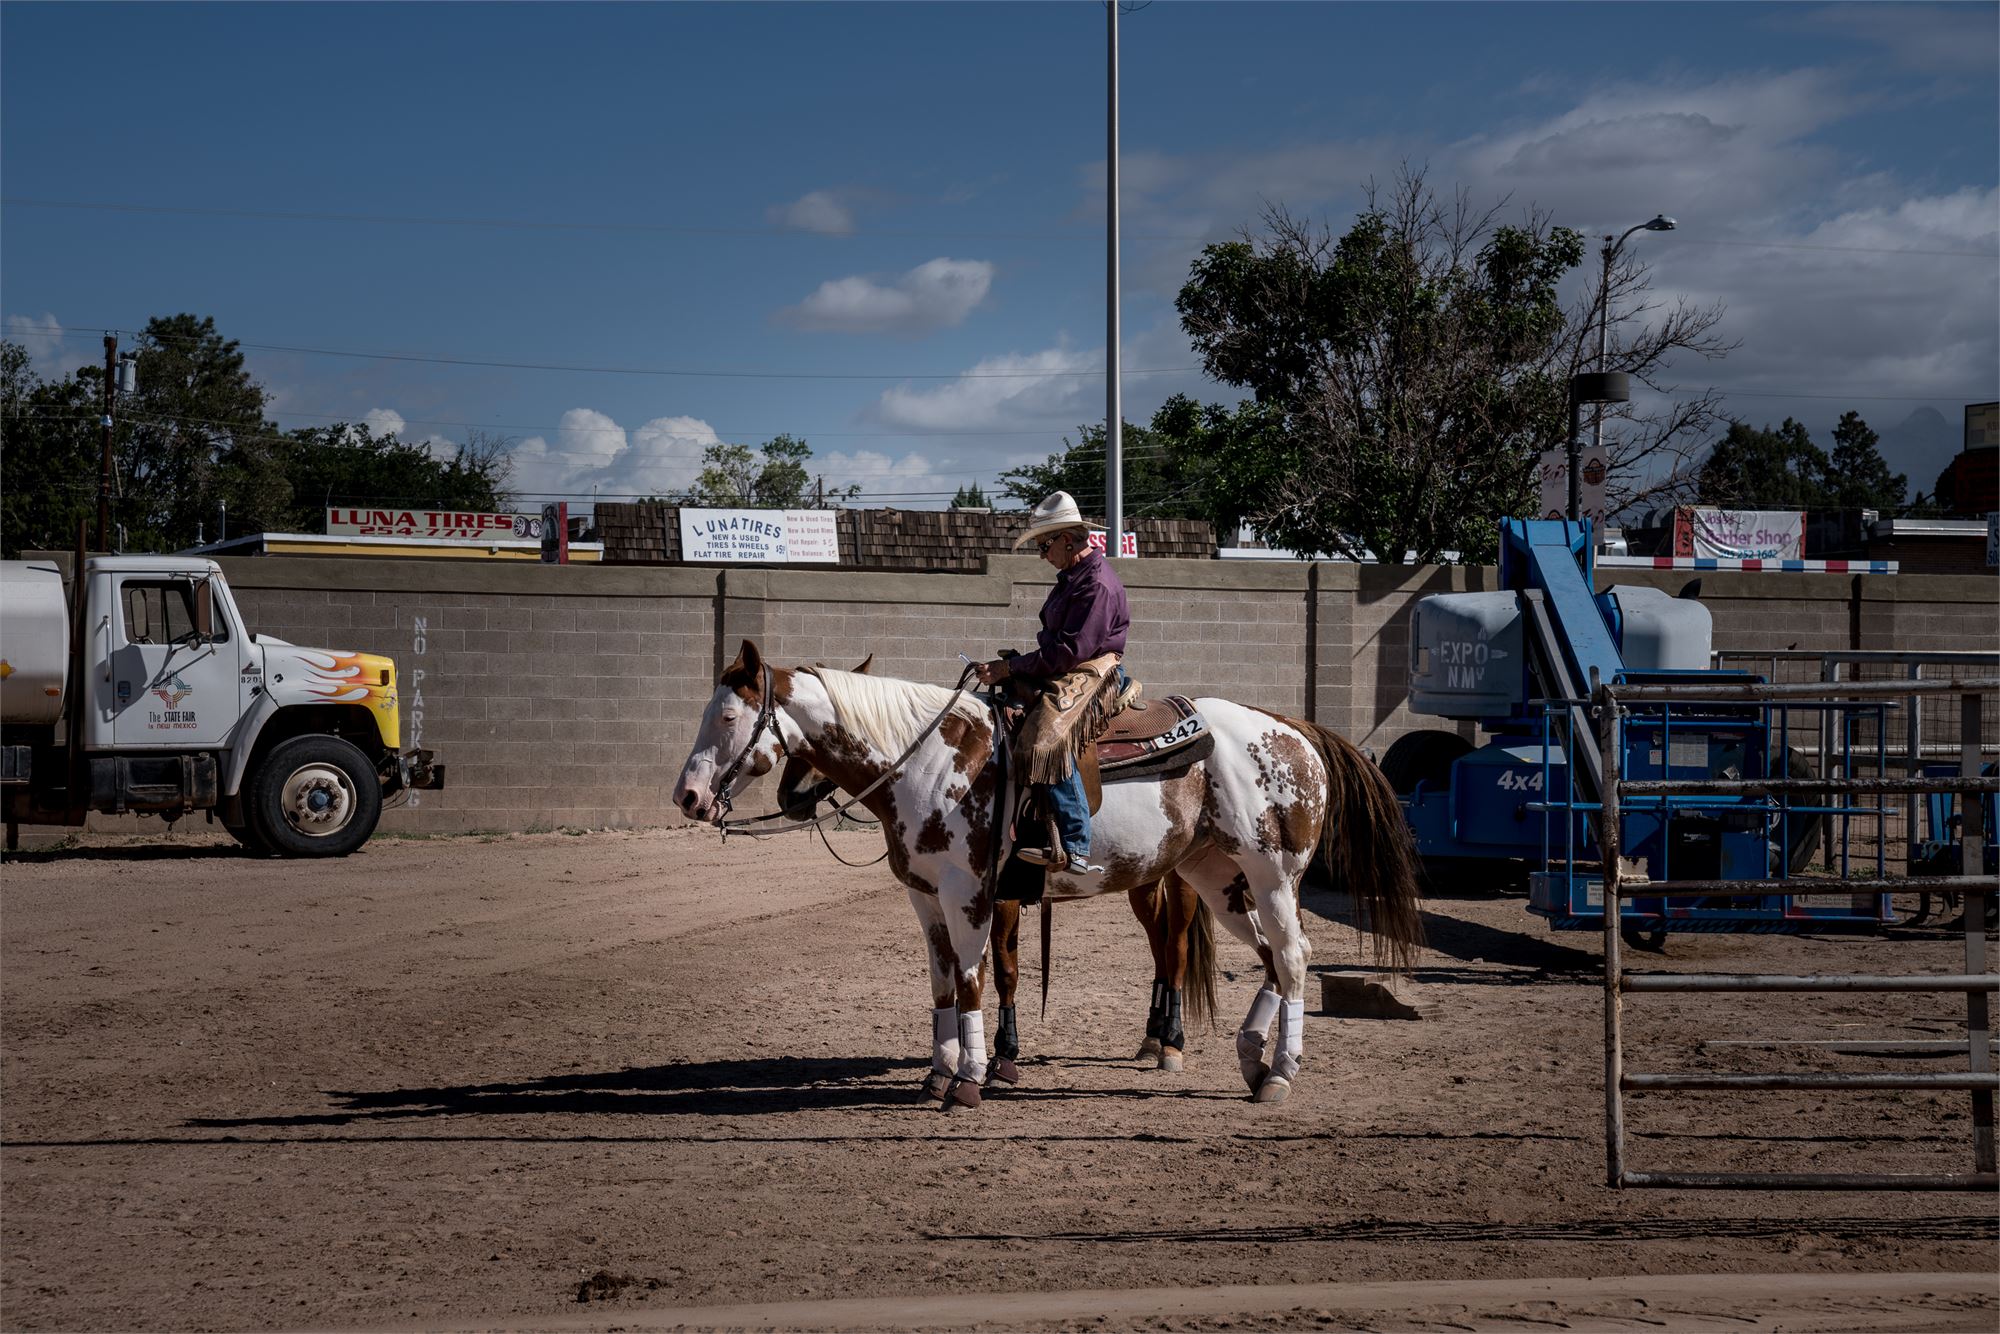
[766,717]
[767,714]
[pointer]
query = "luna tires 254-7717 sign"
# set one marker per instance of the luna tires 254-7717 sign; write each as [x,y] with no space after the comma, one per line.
[777,537]
[437,525]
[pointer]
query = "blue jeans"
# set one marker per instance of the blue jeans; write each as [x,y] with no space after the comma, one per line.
[1072,805]
[1072,808]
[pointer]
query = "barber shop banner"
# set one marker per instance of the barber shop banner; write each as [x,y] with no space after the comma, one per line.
[771,537]
[1102,542]
[1740,534]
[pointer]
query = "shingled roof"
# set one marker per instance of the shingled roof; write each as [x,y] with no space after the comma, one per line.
[649,533]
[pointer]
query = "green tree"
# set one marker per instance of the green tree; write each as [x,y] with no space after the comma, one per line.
[191,436]
[50,447]
[349,464]
[1765,469]
[1859,477]
[1409,373]
[970,498]
[773,477]
[1192,461]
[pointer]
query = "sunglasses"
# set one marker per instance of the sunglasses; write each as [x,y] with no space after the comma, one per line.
[1047,542]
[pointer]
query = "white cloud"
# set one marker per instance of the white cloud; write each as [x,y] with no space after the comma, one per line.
[1857,309]
[1810,251]
[41,337]
[593,452]
[934,295]
[1036,389]
[821,211]
[1941,39]
[1740,148]
[879,475]
[384,421]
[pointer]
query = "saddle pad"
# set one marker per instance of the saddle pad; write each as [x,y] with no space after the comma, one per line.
[1137,736]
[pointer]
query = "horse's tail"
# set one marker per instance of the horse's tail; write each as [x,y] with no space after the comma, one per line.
[1368,847]
[1198,995]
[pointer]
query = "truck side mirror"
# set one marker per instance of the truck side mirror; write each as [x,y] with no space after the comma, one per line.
[204,611]
[138,623]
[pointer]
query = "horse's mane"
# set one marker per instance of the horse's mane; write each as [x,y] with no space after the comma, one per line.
[885,712]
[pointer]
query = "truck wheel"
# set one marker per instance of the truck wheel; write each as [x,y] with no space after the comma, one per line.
[314,796]
[1422,757]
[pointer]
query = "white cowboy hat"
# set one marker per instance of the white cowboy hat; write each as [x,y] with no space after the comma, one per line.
[1053,515]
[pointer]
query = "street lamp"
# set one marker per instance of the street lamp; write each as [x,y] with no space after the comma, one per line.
[1660,223]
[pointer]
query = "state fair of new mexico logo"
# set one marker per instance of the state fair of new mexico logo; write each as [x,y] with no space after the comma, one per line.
[173,692]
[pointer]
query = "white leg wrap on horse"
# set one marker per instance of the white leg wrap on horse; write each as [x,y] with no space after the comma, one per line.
[1291,1040]
[944,1039]
[972,1045]
[1262,1011]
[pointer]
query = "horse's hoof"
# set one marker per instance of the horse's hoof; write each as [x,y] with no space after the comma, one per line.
[1148,1050]
[962,1093]
[936,1084]
[1273,1089]
[1255,1073]
[1172,1061]
[1003,1071]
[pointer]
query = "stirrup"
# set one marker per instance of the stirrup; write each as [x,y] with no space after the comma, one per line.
[1036,856]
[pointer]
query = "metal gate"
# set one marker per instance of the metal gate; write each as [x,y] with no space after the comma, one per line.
[1870,745]
[1977,981]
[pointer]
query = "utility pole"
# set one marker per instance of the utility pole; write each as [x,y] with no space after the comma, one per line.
[1114,443]
[104,469]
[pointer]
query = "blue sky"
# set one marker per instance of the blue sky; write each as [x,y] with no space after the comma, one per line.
[884,222]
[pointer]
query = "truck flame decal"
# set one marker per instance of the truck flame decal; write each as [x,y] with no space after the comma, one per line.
[337,677]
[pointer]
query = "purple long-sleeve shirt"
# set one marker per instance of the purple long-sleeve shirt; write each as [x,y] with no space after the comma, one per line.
[1084,617]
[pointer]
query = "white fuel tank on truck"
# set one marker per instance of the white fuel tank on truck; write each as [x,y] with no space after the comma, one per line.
[34,642]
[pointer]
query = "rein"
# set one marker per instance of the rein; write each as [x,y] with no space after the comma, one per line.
[765,715]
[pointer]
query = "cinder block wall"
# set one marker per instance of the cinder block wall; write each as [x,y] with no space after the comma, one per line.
[569,695]
[555,695]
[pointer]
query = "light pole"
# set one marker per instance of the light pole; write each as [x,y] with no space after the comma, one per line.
[1114,412]
[1660,223]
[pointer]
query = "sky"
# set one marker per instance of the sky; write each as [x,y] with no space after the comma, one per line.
[617,234]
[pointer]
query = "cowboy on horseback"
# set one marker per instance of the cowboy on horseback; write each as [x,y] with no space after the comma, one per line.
[1074,667]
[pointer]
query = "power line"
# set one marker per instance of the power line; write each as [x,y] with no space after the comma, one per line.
[90,419]
[357,419]
[93,330]
[676,229]
[529,224]
[1841,249]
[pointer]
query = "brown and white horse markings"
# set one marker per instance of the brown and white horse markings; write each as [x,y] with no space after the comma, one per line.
[1238,828]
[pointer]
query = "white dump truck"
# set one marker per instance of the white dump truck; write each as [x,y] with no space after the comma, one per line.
[141,690]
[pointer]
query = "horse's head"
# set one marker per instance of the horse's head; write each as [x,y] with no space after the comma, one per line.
[739,737]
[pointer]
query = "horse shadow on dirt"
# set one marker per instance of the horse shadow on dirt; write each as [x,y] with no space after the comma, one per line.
[759,1087]
[728,1088]
[1516,957]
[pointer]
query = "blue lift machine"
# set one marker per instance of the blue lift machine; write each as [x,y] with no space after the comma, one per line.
[1522,662]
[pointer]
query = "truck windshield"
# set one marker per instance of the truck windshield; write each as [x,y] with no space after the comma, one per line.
[162,612]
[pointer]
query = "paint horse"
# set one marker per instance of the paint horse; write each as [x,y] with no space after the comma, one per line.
[1180,932]
[1238,827]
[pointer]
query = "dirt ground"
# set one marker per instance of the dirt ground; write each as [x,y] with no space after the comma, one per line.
[647,1080]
